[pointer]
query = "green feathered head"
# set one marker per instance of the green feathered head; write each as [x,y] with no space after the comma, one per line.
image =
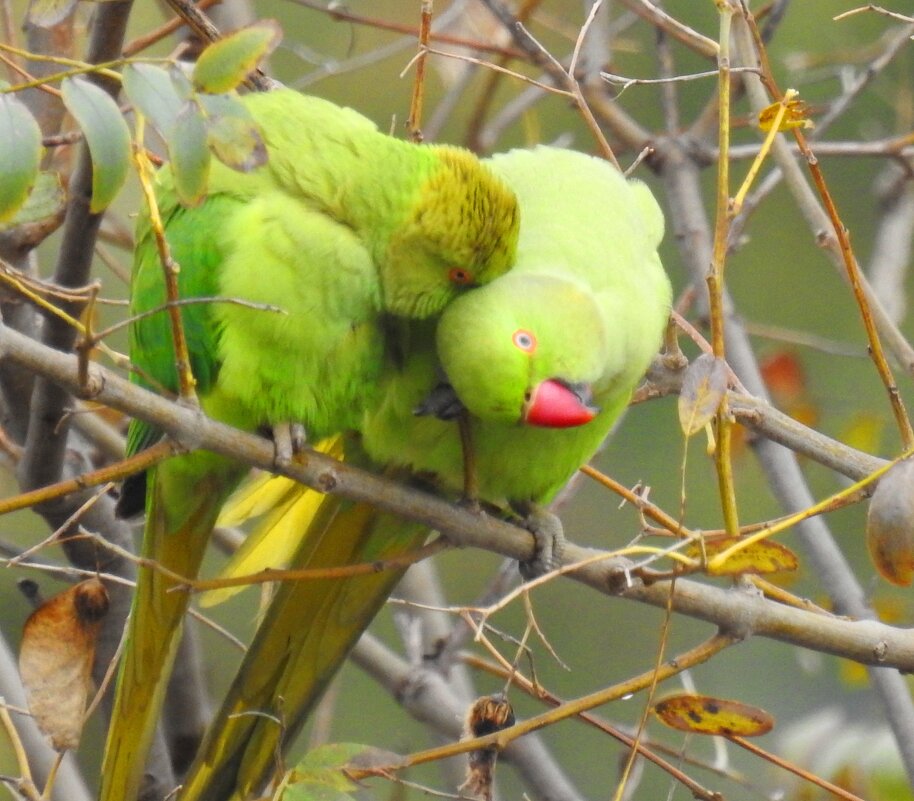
[461,232]
[526,348]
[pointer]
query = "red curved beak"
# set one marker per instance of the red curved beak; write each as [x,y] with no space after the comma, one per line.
[557,404]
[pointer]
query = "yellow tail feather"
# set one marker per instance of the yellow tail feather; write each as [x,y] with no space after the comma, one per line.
[290,507]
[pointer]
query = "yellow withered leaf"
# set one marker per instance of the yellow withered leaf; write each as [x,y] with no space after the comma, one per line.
[764,556]
[796,116]
[55,660]
[703,388]
[703,714]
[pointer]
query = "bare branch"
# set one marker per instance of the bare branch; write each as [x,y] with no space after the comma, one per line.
[863,640]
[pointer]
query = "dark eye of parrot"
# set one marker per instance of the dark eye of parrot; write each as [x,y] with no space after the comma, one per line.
[524,340]
[460,276]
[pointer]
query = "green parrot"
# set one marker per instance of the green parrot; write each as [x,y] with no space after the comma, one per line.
[575,323]
[578,319]
[342,229]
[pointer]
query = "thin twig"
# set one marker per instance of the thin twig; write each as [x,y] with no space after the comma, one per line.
[170,270]
[723,426]
[662,21]
[139,44]
[25,784]
[684,661]
[269,575]
[843,242]
[414,121]
[541,694]
[340,13]
[116,472]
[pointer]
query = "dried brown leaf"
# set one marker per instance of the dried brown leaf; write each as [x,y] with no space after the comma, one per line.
[55,660]
[488,714]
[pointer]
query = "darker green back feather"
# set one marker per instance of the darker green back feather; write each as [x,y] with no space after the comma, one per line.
[194,238]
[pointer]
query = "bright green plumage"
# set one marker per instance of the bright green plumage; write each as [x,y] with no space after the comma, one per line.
[340,228]
[341,224]
[589,288]
[588,285]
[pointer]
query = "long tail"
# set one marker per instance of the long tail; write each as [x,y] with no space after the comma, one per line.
[289,510]
[183,498]
[307,632]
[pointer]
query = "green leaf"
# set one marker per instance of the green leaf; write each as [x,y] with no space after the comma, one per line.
[41,215]
[181,82]
[232,133]
[20,154]
[153,94]
[106,135]
[319,776]
[45,204]
[189,154]
[310,791]
[226,63]
[323,764]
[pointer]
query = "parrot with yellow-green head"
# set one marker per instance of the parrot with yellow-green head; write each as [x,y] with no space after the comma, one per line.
[303,261]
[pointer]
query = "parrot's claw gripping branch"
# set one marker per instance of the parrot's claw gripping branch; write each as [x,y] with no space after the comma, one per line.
[549,539]
[288,440]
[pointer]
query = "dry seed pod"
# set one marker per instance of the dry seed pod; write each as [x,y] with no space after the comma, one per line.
[890,524]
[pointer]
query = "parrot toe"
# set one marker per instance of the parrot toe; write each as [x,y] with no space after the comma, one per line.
[549,538]
[442,402]
[288,441]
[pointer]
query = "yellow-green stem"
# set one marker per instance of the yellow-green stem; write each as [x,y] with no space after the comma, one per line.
[842,237]
[717,561]
[722,454]
[414,123]
[170,269]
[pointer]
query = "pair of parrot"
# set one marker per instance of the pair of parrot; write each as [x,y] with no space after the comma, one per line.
[362,240]
[583,308]
[343,229]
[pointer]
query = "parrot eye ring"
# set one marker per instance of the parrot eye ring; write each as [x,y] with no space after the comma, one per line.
[524,340]
[460,276]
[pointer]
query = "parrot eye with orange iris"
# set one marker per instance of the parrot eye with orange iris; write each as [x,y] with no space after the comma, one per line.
[524,340]
[460,276]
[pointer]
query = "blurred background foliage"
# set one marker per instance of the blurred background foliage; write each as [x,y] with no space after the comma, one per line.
[806,330]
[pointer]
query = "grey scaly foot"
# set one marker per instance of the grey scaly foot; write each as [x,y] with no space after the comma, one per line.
[288,440]
[442,402]
[549,537]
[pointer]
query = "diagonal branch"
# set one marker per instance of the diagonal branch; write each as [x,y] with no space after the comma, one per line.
[734,610]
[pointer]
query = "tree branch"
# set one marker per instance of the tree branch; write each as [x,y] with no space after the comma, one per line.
[865,641]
